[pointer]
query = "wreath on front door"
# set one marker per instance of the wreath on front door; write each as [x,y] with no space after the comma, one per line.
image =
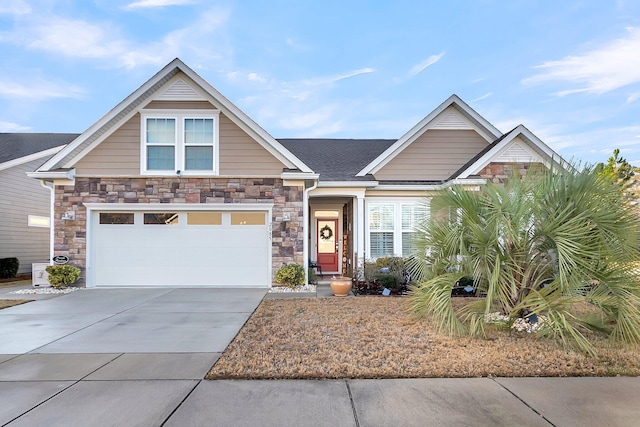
[326,233]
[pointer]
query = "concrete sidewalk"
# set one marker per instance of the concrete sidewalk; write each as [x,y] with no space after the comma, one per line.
[136,357]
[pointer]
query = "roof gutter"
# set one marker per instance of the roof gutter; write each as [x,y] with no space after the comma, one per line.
[345,184]
[65,175]
[299,175]
[432,187]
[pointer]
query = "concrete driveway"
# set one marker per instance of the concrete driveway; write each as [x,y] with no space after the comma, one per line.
[113,356]
[193,320]
[136,357]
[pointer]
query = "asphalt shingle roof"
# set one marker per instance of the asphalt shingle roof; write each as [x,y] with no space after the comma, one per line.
[337,159]
[16,145]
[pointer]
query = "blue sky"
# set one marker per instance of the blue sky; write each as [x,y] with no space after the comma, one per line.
[568,70]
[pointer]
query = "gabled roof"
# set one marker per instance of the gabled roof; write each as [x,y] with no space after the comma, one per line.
[73,152]
[505,149]
[481,125]
[18,148]
[337,159]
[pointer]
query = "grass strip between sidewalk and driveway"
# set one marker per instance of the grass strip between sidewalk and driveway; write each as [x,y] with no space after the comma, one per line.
[6,303]
[373,337]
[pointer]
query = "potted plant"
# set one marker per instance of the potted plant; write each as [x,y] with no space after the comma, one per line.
[340,286]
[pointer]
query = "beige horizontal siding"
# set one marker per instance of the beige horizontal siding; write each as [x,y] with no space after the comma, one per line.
[242,155]
[435,155]
[21,196]
[118,155]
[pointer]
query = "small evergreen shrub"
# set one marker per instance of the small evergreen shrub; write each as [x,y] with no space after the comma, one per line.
[313,277]
[61,276]
[389,281]
[290,275]
[9,268]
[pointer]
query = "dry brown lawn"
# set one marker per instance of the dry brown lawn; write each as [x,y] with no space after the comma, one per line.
[6,303]
[373,337]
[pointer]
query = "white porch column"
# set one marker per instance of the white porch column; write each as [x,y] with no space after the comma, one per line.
[359,219]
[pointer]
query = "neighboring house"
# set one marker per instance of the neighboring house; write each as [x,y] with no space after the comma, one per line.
[176,186]
[24,203]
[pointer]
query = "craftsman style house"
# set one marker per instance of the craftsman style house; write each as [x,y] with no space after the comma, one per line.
[176,186]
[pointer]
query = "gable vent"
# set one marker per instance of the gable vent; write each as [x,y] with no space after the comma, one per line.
[180,91]
[452,120]
[518,152]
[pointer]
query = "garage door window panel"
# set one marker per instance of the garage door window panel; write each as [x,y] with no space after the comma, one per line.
[165,218]
[204,218]
[248,218]
[116,218]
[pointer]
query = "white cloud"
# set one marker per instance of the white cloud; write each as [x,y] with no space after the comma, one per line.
[193,38]
[322,81]
[13,127]
[75,38]
[14,7]
[480,98]
[610,67]
[418,68]
[145,4]
[354,73]
[37,90]
[596,145]
[633,98]
[255,77]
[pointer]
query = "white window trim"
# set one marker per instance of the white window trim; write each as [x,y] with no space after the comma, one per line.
[397,221]
[179,145]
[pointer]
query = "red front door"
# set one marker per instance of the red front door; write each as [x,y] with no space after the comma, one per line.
[327,244]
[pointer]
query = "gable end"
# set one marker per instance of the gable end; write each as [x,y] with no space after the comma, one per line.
[180,91]
[452,119]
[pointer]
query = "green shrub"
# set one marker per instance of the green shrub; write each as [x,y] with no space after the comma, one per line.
[389,281]
[61,276]
[313,277]
[290,275]
[9,268]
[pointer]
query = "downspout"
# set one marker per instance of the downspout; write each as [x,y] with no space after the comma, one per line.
[305,215]
[51,218]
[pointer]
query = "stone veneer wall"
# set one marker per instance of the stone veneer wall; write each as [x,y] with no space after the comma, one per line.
[499,172]
[287,236]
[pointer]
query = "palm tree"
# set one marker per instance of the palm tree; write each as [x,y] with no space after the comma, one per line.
[533,247]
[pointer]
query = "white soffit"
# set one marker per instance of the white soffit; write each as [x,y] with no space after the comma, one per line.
[452,119]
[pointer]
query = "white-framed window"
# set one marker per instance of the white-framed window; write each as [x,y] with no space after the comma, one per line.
[177,143]
[412,216]
[381,229]
[391,226]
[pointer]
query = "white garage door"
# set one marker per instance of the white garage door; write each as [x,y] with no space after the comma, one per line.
[172,248]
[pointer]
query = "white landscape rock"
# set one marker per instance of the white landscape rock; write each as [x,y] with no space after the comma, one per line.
[44,291]
[286,289]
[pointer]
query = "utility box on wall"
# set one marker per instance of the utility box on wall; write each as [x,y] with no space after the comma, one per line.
[39,275]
